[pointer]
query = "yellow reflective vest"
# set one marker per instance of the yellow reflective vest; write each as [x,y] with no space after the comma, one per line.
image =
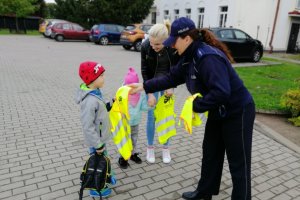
[189,117]
[119,119]
[165,118]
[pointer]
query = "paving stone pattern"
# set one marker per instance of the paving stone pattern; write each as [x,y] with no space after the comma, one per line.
[42,150]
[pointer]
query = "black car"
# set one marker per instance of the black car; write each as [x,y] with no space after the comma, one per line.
[240,44]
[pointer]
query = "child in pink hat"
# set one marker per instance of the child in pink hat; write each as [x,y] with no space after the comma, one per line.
[137,104]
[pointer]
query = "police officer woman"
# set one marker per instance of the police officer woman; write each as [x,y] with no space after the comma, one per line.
[205,67]
[156,61]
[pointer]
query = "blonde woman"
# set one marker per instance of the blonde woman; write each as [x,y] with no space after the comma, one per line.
[156,61]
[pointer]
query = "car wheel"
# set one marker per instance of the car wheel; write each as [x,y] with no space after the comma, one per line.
[127,47]
[138,45]
[104,40]
[256,55]
[59,38]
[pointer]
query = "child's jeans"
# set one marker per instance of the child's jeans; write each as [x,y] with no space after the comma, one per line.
[151,122]
[134,137]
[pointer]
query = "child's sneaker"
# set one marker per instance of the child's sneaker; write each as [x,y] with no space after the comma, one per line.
[123,163]
[166,155]
[135,158]
[113,180]
[104,193]
[150,155]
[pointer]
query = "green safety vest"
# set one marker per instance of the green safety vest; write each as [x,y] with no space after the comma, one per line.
[189,117]
[119,119]
[165,118]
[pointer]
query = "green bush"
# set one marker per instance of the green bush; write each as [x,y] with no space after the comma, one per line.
[291,100]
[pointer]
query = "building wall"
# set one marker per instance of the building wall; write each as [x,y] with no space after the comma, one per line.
[256,17]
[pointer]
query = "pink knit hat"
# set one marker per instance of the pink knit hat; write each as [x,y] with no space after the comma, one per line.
[131,77]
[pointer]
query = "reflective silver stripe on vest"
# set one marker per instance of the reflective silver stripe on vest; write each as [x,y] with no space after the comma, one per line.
[117,129]
[122,143]
[163,121]
[170,128]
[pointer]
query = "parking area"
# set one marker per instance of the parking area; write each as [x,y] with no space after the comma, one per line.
[42,151]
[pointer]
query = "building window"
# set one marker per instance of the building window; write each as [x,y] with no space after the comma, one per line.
[200,17]
[188,13]
[223,16]
[153,18]
[176,14]
[166,14]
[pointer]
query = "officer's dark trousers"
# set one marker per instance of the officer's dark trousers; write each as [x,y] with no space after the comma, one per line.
[233,136]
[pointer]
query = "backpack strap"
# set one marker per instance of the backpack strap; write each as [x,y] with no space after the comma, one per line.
[82,182]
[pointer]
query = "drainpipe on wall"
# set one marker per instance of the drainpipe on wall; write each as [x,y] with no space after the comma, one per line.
[273,30]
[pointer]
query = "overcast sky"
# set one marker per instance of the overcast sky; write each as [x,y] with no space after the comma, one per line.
[49,1]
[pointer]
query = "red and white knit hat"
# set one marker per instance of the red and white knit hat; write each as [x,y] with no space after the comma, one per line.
[90,71]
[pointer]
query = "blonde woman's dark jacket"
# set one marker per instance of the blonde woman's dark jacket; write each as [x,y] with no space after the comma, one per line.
[155,64]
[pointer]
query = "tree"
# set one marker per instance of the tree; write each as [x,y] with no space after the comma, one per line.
[17,8]
[50,10]
[41,10]
[90,12]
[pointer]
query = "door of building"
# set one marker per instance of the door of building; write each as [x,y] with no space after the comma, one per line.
[293,44]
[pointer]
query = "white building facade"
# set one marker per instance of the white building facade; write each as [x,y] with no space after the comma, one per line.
[275,23]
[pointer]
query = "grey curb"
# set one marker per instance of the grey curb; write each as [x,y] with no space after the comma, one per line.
[276,136]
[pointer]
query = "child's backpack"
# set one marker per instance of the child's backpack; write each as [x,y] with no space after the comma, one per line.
[96,174]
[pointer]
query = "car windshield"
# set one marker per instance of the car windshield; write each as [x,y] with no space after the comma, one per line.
[130,27]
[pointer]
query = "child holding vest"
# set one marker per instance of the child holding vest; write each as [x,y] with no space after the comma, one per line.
[137,104]
[94,112]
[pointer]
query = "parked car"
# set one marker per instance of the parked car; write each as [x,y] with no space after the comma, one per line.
[133,35]
[43,25]
[50,24]
[106,33]
[241,45]
[68,30]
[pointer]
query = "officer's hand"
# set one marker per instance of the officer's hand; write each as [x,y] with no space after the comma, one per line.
[151,100]
[169,92]
[135,88]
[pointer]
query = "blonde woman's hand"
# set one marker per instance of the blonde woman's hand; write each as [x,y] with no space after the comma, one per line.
[169,92]
[151,100]
[136,88]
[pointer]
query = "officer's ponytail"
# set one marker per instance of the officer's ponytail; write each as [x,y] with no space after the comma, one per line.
[209,38]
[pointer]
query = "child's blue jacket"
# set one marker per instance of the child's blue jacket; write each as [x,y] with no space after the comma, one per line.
[136,112]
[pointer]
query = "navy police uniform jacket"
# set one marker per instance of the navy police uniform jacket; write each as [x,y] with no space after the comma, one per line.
[206,70]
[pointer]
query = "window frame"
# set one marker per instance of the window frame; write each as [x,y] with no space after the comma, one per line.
[201,12]
[166,14]
[188,13]
[223,16]
[176,13]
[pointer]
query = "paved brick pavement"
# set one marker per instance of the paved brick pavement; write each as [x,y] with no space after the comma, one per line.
[41,142]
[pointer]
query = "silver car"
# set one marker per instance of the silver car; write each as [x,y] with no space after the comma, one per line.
[49,26]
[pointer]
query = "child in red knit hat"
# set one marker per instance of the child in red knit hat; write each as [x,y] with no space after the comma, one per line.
[94,112]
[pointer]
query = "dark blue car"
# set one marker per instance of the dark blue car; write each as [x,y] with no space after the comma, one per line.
[106,33]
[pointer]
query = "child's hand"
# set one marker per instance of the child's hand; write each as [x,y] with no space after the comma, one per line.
[151,100]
